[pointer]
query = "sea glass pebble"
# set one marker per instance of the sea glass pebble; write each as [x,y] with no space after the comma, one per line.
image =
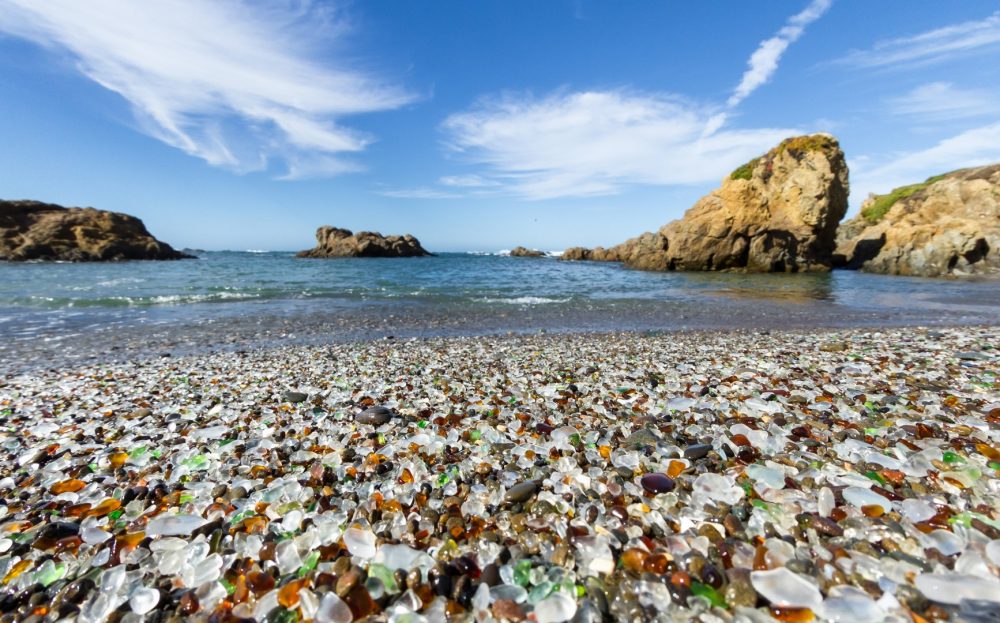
[784,588]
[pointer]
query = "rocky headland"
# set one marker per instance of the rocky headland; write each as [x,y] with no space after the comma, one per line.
[776,213]
[337,242]
[526,252]
[948,225]
[32,230]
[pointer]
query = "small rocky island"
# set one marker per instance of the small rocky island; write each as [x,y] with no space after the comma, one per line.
[337,242]
[776,213]
[947,225]
[32,230]
[526,252]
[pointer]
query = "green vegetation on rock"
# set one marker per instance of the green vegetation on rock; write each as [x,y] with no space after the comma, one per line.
[810,142]
[797,145]
[880,206]
[745,171]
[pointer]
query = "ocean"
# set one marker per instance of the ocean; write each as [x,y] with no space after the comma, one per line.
[53,312]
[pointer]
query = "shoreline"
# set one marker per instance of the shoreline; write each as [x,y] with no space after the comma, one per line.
[251,328]
[673,476]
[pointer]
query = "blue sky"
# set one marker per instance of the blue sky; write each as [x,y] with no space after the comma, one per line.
[473,125]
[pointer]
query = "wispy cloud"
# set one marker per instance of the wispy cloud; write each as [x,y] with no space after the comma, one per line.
[971,148]
[937,101]
[468,181]
[931,46]
[587,143]
[419,193]
[764,61]
[238,84]
[595,142]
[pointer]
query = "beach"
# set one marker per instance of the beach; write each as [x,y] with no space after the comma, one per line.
[682,475]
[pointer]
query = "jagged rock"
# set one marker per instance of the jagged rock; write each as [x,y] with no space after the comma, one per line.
[337,242]
[32,230]
[777,213]
[948,225]
[526,252]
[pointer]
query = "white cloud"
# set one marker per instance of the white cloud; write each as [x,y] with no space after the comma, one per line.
[234,83]
[419,193]
[933,45]
[975,147]
[942,101]
[577,144]
[593,143]
[468,181]
[764,61]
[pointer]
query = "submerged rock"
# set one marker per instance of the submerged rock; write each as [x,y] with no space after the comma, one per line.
[32,230]
[337,242]
[777,213]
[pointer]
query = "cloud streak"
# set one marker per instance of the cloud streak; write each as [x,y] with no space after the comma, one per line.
[943,101]
[931,46]
[764,61]
[975,147]
[230,82]
[419,193]
[591,143]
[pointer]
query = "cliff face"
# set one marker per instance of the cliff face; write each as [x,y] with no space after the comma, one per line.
[32,230]
[777,213]
[337,242]
[948,225]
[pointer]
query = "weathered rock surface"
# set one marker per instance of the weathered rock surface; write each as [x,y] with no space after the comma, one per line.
[948,225]
[526,252]
[777,213]
[337,242]
[32,230]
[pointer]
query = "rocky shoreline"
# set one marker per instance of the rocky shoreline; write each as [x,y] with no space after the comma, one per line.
[36,231]
[715,477]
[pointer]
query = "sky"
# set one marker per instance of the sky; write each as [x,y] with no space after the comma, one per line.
[475,126]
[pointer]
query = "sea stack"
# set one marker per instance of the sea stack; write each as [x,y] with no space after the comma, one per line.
[32,230]
[526,252]
[947,225]
[776,213]
[337,242]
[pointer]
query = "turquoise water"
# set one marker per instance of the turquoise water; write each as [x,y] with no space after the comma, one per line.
[244,295]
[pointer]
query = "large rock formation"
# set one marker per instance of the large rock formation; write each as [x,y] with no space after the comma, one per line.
[337,242]
[946,225]
[777,213]
[32,230]
[526,252]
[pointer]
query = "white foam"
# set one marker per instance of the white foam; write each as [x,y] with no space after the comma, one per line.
[525,300]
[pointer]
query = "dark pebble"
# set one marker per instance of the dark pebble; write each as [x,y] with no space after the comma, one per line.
[521,492]
[697,451]
[375,416]
[657,483]
[294,397]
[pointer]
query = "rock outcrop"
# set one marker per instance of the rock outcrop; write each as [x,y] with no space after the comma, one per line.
[948,225]
[337,242]
[777,213]
[526,252]
[32,230]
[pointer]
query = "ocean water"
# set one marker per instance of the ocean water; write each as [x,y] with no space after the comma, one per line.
[239,298]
